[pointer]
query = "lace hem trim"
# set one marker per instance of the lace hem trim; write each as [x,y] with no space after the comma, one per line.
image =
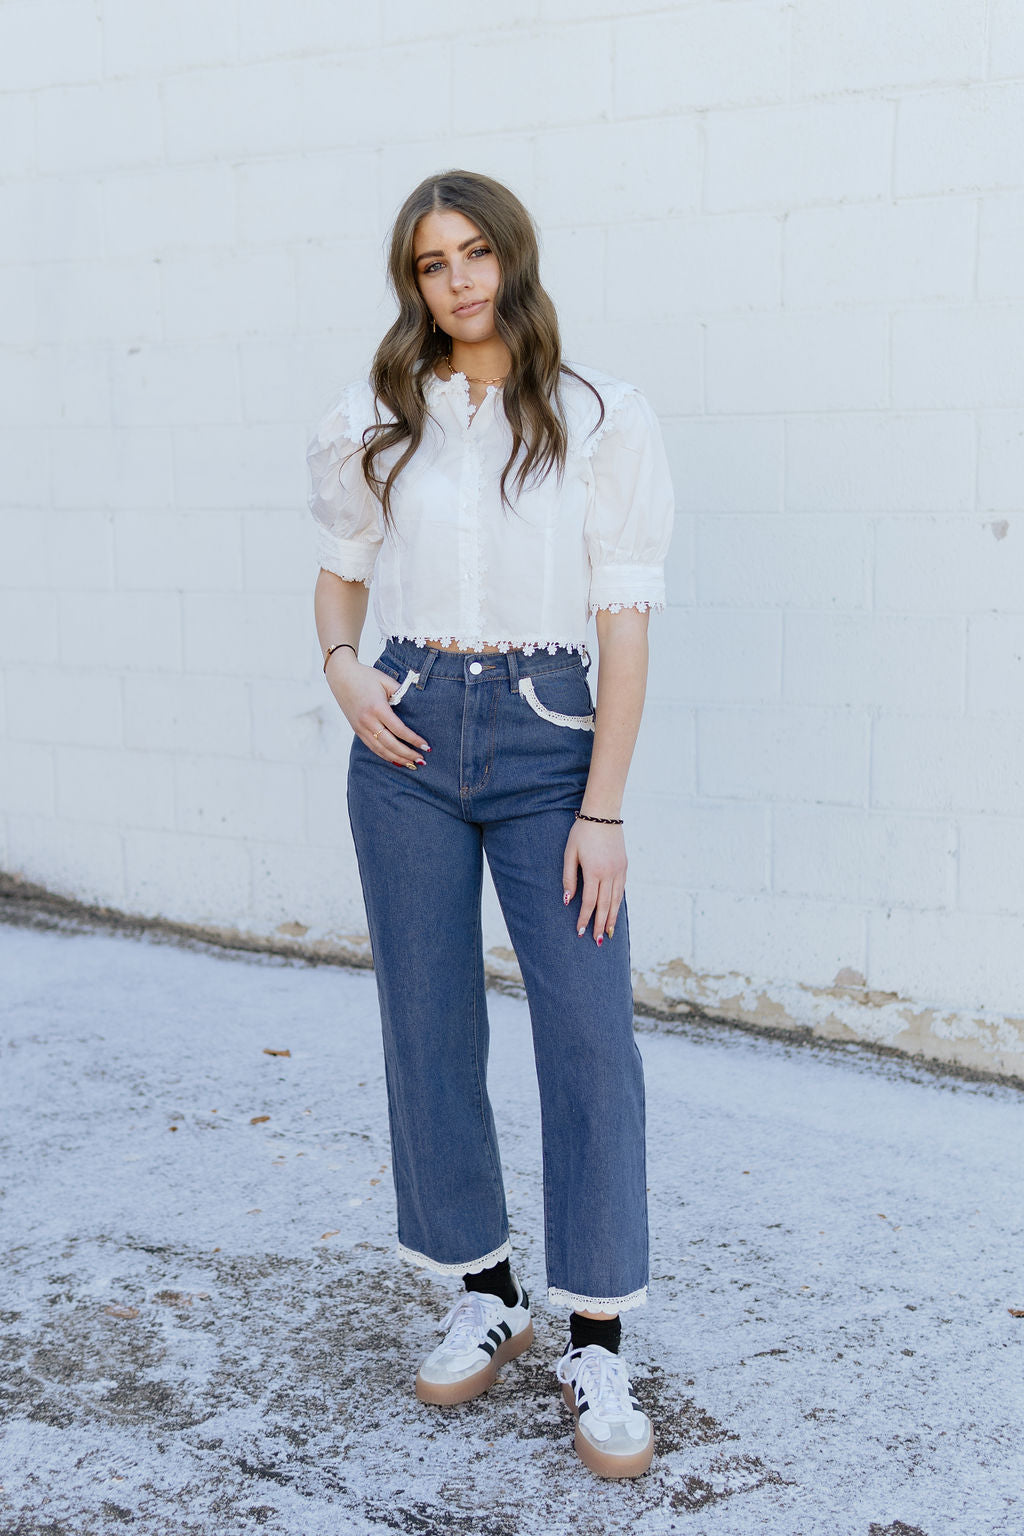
[337,556]
[477,643]
[577,1303]
[642,605]
[472,1268]
[344,574]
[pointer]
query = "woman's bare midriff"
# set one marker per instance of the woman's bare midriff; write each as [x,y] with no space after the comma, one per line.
[473,650]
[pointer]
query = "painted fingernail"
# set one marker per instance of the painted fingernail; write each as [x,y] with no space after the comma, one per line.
[566,898]
[580,932]
[421,762]
[424,747]
[600,941]
[610,932]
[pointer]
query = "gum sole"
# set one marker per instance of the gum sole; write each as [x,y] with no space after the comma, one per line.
[472,1386]
[599,1462]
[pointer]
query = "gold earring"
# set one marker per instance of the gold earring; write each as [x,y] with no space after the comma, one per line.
[433,325]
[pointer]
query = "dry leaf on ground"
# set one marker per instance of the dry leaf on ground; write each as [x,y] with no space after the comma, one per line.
[174,1298]
[125,1312]
[259,1119]
[268,1052]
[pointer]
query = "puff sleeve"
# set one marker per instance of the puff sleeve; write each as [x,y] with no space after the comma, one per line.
[349,527]
[631,510]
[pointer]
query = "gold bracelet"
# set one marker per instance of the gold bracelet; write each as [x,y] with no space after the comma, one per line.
[342,645]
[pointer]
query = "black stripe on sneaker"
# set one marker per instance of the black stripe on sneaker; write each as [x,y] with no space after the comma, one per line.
[487,1347]
[506,1330]
[493,1333]
[582,1404]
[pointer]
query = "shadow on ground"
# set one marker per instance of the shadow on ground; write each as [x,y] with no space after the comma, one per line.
[273,1382]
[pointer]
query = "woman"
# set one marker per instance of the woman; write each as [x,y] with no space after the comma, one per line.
[493,496]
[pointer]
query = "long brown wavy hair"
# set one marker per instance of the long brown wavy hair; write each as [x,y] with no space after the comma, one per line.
[524,317]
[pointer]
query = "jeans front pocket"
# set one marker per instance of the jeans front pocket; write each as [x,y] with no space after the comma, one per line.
[403,676]
[403,687]
[552,684]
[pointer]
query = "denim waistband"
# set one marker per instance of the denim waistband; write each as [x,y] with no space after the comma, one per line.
[482,666]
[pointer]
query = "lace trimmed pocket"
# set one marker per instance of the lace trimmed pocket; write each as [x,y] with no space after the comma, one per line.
[554,716]
[403,687]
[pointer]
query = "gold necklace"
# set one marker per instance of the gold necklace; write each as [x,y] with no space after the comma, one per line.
[451,373]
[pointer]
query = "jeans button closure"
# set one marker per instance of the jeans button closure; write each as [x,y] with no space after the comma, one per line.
[476,667]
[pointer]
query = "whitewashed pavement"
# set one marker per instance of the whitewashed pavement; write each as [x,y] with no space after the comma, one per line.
[205,1330]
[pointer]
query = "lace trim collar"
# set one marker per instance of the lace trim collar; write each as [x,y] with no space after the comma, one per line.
[457,390]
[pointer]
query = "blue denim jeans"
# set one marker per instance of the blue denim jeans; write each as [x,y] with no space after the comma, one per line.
[510,737]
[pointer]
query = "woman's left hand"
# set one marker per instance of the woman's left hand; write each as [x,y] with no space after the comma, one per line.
[599,854]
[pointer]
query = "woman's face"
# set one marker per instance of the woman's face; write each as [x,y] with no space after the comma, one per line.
[457,274]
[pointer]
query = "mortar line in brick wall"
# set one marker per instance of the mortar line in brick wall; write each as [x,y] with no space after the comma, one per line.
[976,275]
[894,139]
[234,181]
[702,366]
[771,831]
[954,881]
[976,477]
[702,162]
[784,640]
[986,43]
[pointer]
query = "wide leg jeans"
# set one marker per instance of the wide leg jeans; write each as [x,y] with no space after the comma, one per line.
[510,737]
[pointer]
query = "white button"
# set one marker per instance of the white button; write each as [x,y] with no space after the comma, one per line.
[476,667]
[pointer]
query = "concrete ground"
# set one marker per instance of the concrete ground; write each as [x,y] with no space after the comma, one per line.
[204,1329]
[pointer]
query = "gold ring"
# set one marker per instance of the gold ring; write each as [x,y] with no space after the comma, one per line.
[377,733]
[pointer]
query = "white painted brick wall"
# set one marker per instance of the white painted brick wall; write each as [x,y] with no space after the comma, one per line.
[991,858]
[814,938]
[799,560]
[798,226]
[1000,274]
[772,753]
[881,462]
[875,44]
[1006,39]
[72,706]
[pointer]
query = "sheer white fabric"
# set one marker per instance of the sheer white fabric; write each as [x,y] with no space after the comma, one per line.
[457,565]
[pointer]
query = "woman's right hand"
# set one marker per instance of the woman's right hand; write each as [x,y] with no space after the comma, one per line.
[362,694]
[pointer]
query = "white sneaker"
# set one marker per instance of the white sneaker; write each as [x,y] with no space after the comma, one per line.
[481,1334]
[613,1437]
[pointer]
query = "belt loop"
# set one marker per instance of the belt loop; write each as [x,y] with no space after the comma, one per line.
[428,662]
[513,670]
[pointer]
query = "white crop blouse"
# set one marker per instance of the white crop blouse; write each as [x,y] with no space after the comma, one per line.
[459,566]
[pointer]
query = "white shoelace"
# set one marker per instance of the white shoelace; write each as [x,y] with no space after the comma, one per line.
[468,1321]
[603,1379]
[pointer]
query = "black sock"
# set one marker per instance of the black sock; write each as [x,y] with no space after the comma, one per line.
[606,1331]
[496,1281]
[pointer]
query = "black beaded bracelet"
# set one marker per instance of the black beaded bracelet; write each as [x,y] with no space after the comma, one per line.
[342,645]
[605,821]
